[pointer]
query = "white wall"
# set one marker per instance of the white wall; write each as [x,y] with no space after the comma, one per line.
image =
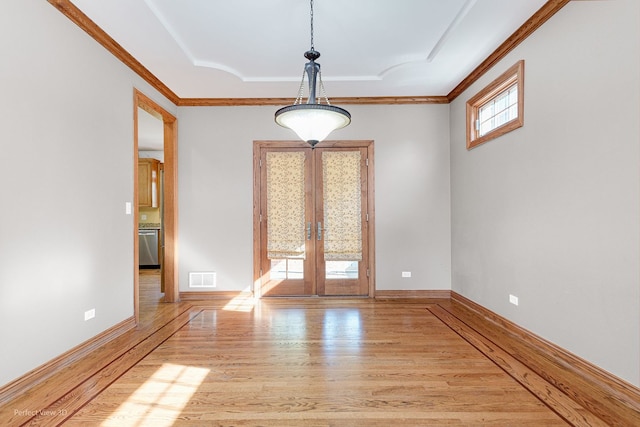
[550,212]
[411,190]
[66,171]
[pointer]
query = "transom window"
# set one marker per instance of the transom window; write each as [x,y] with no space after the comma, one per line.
[498,108]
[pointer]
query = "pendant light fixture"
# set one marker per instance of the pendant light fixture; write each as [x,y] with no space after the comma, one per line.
[312,121]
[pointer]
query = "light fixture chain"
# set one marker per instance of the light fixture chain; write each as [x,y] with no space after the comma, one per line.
[322,91]
[300,91]
[312,48]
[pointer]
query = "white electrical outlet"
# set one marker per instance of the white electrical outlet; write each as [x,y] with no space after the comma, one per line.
[89,314]
[127,208]
[513,299]
[406,274]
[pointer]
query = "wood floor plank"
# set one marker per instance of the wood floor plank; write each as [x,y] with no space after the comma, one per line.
[310,362]
[43,402]
[314,363]
[53,400]
[554,398]
[609,398]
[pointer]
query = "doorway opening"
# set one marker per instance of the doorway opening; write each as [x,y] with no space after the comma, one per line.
[155,199]
[313,219]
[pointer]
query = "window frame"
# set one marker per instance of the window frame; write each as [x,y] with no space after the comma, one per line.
[515,74]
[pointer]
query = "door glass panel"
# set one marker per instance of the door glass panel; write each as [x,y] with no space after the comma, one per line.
[286,268]
[341,269]
[285,214]
[342,206]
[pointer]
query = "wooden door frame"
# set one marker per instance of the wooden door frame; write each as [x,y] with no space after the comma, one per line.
[170,214]
[257,147]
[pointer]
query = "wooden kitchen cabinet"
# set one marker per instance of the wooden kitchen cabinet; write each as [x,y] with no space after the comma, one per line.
[148,173]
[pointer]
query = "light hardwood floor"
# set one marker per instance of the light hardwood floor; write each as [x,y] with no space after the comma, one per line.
[310,362]
[316,363]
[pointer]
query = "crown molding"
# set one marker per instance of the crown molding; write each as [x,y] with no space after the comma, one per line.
[537,19]
[370,100]
[81,20]
[72,12]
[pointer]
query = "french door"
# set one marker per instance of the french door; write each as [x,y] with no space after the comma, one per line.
[313,220]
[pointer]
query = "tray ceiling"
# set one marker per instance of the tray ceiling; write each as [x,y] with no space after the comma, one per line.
[254,48]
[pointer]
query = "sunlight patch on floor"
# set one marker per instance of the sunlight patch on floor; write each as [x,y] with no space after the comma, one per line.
[243,302]
[161,399]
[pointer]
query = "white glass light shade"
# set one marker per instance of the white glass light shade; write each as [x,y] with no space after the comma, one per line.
[313,122]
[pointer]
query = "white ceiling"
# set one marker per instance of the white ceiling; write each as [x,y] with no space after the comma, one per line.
[254,48]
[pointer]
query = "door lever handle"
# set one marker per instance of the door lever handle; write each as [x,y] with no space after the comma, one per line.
[319,231]
[309,231]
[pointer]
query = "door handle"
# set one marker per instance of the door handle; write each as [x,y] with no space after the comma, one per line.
[319,231]
[309,231]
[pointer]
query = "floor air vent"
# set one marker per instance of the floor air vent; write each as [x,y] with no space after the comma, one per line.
[205,279]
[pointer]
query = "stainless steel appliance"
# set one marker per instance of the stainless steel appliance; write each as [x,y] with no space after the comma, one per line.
[148,240]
